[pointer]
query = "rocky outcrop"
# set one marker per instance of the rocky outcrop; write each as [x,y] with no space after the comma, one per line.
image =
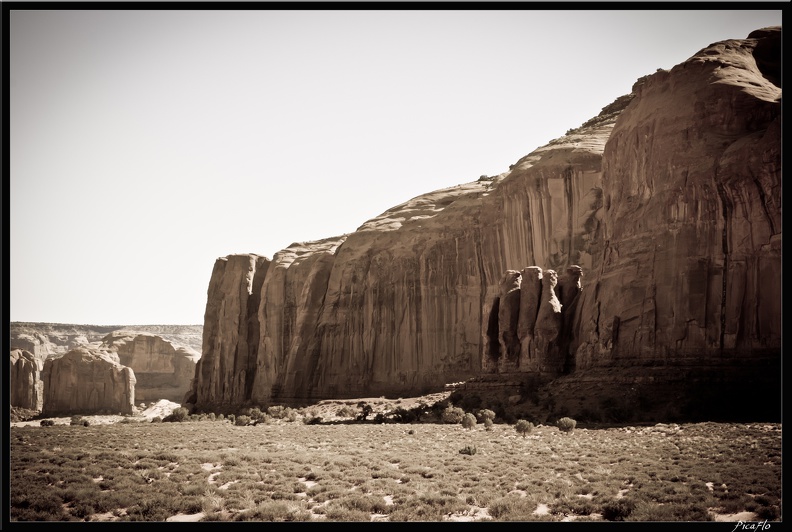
[162,371]
[87,381]
[668,201]
[24,380]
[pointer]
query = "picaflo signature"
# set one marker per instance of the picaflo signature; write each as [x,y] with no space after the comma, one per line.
[760,525]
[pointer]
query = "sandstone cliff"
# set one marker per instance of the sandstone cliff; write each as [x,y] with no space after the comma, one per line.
[659,220]
[87,381]
[24,380]
[162,371]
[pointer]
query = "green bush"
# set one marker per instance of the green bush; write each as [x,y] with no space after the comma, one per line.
[452,414]
[566,424]
[523,427]
[468,421]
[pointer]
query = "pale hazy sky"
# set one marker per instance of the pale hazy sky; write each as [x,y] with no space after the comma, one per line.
[146,144]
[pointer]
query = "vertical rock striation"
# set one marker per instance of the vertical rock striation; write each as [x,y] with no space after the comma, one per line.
[162,371]
[669,200]
[691,265]
[24,380]
[225,372]
[87,381]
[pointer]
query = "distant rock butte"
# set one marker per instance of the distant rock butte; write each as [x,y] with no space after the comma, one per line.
[163,370]
[24,380]
[87,381]
[660,220]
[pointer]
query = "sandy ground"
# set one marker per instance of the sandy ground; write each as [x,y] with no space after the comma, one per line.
[161,408]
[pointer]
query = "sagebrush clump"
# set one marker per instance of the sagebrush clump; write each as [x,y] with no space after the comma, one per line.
[523,426]
[566,424]
[452,414]
[468,421]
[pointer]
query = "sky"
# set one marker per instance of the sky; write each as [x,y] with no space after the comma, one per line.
[145,144]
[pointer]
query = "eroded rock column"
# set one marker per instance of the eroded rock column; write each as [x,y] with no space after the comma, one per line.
[508,319]
[530,294]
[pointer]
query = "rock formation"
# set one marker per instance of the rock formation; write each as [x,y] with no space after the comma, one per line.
[162,371]
[24,380]
[87,381]
[48,339]
[668,200]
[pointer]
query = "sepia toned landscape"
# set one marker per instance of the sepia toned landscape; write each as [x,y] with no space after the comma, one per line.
[593,335]
[326,465]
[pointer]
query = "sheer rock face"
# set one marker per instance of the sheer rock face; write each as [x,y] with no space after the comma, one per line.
[87,381]
[692,216]
[162,371]
[668,200]
[24,380]
[225,372]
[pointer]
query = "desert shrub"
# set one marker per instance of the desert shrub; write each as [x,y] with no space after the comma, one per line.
[485,414]
[488,424]
[566,424]
[452,414]
[468,421]
[273,511]
[365,410]
[47,423]
[277,411]
[256,414]
[370,504]
[76,420]
[178,414]
[523,427]
[468,449]
[231,418]
[312,420]
[617,509]
[242,420]
[85,423]
[220,417]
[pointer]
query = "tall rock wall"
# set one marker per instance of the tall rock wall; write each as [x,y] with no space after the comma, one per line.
[87,381]
[24,380]
[660,217]
[692,217]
